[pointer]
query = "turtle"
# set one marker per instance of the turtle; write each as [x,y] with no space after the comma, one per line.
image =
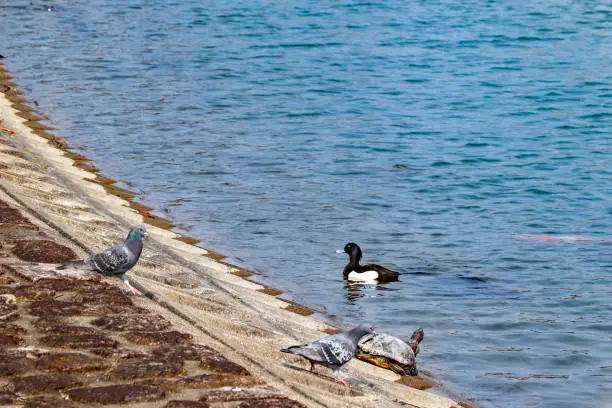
[389,352]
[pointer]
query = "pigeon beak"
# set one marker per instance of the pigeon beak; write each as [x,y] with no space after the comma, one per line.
[340,251]
[146,234]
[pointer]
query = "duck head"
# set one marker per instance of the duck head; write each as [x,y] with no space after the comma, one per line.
[353,251]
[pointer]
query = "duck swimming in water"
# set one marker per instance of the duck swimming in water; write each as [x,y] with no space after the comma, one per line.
[364,273]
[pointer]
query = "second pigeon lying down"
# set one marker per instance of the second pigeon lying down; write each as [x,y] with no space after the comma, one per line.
[332,351]
[116,260]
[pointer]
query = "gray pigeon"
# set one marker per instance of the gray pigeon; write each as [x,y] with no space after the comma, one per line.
[332,351]
[116,260]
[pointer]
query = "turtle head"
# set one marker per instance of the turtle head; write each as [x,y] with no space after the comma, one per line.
[415,339]
[417,336]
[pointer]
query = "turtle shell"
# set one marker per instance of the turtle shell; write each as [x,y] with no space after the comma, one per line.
[384,345]
[389,364]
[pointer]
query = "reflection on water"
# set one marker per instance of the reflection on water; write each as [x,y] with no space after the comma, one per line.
[357,290]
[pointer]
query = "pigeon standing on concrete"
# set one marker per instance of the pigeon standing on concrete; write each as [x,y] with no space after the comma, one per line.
[116,260]
[332,351]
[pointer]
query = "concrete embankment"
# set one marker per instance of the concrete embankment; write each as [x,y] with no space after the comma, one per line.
[207,337]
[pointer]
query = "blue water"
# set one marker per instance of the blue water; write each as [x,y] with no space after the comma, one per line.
[428,132]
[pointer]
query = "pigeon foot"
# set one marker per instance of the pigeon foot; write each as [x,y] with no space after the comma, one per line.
[132,289]
[343,382]
[108,282]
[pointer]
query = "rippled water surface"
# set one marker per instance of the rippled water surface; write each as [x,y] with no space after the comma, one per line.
[428,132]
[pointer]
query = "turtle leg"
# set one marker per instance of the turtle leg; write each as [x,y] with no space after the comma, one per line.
[397,369]
[412,370]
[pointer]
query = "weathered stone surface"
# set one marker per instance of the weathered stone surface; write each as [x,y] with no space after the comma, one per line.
[32,292]
[154,338]
[71,363]
[144,322]
[7,297]
[102,294]
[116,394]
[105,310]
[31,272]
[186,404]
[8,312]
[120,352]
[217,362]
[55,308]
[42,251]
[418,382]
[185,352]
[66,285]
[168,385]
[11,335]
[237,394]
[209,359]
[48,308]
[6,292]
[46,401]
[39,383]
[8,328]
[78,341]
[42,322]
[13,362]
[283,403]
[146,368]
[14,153]
[217,380]
[8,316]
[8,300]
[11,218]
[6,280]
[297,308]
[59,328]
[6,398]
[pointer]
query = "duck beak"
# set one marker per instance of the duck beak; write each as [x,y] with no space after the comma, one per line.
[340,251]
